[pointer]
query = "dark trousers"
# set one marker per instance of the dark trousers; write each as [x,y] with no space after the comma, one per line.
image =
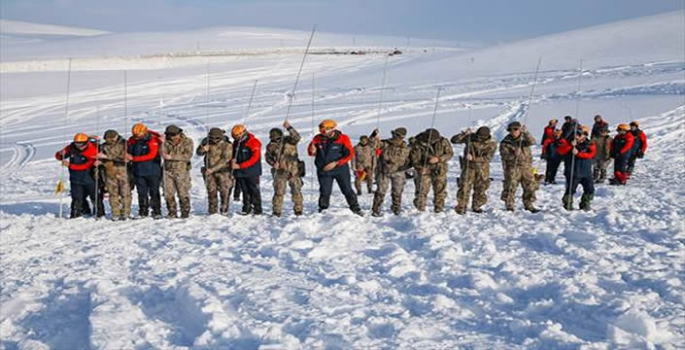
[621,167]
[79,193]
[252,196]
[148,195]
[552,168]
[586,182]
[344,182]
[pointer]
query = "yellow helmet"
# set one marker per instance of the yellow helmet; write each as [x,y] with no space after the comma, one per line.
[553,121]
[139,129]
[624,127]
[328,124]
[635,122]
[238,130]
[80,137]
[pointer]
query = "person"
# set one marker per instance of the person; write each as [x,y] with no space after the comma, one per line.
[429,155]
[177,150]
[392,164]
[639,146]
[578,155]
[217,151]
[282,155]
[332,152]
[568,128]
[113,157]
[621,150]
[247,168]
[375,141]
[553,159]
[80,157]
[603,156]
[364,155]
[475,168]
[598,127]
[411,173]
[548,132]
[517,163]
[143,151]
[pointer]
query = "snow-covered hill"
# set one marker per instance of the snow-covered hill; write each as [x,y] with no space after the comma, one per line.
[610,278]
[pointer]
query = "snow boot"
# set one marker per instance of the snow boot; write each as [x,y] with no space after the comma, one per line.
[533,210]
[585,201]
[567,201]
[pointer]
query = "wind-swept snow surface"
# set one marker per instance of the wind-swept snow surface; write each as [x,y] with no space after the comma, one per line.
[609,278]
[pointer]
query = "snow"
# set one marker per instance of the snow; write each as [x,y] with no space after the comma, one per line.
[610,278]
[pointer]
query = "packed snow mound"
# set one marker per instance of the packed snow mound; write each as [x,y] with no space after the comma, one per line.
[17,27]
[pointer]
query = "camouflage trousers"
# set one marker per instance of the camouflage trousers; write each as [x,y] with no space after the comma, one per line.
[218,191]
[177,183]
[439,184]
[599,169]
[513,176]
[394,180]
[369,180]
[476,179]
[281,182]
[119,189]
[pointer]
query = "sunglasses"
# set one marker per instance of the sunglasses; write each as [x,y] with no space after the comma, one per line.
[80,144]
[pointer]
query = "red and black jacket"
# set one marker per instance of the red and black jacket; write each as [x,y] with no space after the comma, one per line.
[547,134]
[622,145]
[81,162]
[248,154]
[549,149]
[640,144]
[582,164]
[337,148]
[145,154]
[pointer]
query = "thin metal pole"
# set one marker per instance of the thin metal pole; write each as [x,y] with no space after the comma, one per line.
[425,161]
[575,129]
[64,136]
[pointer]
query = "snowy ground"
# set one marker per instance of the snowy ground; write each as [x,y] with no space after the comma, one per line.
[611,278]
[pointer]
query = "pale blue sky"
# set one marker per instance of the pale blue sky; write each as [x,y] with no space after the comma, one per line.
[460,20]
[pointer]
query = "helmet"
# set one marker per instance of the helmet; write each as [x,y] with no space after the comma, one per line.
[557,132]
[172,130]
[624,127]
[275,133]
[328,124]
[399,132]
[139,129]
[215,133]
[238,130]
[81,137]
[635,123]
[553,121]
[583,130]
[483,132]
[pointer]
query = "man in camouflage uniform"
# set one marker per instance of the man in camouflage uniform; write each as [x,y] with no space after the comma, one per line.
[281,154]
[429,155]
[363,164]
[602,158]
[475,168]
[177,150]
[216,171]
[113,158]
[517,163]
[392,164]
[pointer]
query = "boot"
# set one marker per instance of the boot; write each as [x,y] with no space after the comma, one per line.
[532,209]
[567,201]
[143,207]
[585,201]
[478,210]
[76,210]
[460,210]
[185,208]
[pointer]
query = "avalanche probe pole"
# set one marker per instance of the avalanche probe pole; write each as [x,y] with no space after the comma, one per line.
[64,132]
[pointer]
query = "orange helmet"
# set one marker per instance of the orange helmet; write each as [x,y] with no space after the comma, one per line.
[238,130]
[553,121]
[583,130]
[81,137]
[139,129]
[557,133]
[624,127]
[328,124]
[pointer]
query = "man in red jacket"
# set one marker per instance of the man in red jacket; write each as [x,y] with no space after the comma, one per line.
[621,150]
[639,146]
[80,157]
[143,151]
[578,155]
[247,168]
[548,132]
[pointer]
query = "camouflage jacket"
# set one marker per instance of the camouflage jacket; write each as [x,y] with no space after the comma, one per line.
[509,146]
[218,156]
[363,156]
[116,153]
[394,156]
[482,151]
[422,151]
[603,145]
[180,154]
[284,151]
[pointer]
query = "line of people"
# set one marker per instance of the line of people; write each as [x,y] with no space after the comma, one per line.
[147,162]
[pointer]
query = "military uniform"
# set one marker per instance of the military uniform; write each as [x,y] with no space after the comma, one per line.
[283,150]
[116,175]
[517,163]
[602,158]
[364,155]
[216,171]
[475,168]
[430,144]
[177,171]
[392,164]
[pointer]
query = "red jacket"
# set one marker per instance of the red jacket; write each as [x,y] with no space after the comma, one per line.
[548,133]
[255,147]
[79,159]
[565,147]
[626,140]
[643,140]
[154,142]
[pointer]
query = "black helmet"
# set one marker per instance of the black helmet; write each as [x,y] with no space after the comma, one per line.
[275,134]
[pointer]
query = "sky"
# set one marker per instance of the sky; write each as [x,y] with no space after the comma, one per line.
[483,21]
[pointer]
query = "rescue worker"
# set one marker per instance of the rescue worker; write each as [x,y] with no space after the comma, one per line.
[578,155]
[216,170]
[548,132]
[475,168]
[282,155]
[113,157]
[568,128]
[177,150]
[603,155]
[80,157]
[332,152]
[430,155]
[639,146]
[247,168]
[598,127]
[621,150]
[517,163]
[553,159]
[392,165]
[143,150]
[364,155]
